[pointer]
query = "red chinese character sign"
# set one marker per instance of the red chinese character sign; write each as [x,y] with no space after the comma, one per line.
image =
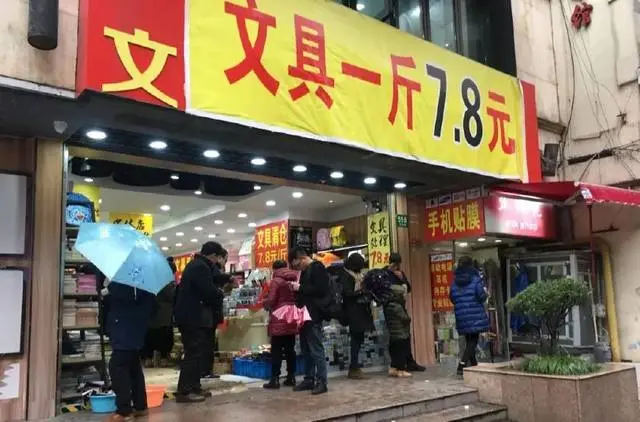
[455,221]
[271,243]
[441,270]
[520,217]
[181,262]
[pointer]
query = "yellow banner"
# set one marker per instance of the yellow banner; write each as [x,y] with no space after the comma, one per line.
[379,239]
[141,222]
[316,69]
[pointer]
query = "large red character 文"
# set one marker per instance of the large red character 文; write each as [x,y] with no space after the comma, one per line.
[252,61]
[402,81]
[311,60]
[500,118]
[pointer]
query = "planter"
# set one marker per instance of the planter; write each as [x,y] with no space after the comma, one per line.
[609,395]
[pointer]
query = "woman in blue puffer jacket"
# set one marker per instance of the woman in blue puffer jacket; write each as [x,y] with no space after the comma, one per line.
[468,296]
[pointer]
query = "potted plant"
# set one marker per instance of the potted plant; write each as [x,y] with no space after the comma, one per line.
[553,385]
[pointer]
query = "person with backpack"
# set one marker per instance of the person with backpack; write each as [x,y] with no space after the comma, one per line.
[314,292]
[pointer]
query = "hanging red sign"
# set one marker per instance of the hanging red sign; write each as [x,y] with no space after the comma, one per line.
[271,243]
[455,221]
[519,217]
[441,270]
[181,262]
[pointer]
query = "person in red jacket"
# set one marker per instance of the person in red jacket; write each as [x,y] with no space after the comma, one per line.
[283,333]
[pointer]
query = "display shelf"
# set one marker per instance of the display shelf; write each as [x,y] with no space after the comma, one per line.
[80,295]
[344,248]
[80,361]
[73,262]
[81,327]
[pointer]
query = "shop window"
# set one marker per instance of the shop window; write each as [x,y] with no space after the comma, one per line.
[410,17]
[442,24]
[378,9]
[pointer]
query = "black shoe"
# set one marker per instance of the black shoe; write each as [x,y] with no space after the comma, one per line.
[190,398]
[209,376]
[290,382]
[204,393]
[460,370]
[273,384]
[414,367]
[304,386]
[321,388]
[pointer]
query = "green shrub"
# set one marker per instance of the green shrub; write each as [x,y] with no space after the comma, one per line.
[546,304]
[563,365]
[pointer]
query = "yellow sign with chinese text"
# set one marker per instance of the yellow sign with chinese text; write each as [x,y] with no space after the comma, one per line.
[316,69]
[141,222]
[379,239]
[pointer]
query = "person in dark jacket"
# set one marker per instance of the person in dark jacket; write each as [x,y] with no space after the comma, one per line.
[283,334]
[399,327]
[468,295]
[399,277]
[160,334]
[312,292]
[220,279]
[197,300]
[357,308]
[127,321]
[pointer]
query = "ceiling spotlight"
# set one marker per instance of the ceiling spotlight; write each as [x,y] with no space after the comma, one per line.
[370,181]
[165,207]
[163,239]
[400,185]
[194,240]
[212,236]
[481,239]
[218,222]
[197,228]
[242,215]
[100,201]
[159,145]
[463,244]
[252,225]
[88,180]
[258,161]
[96,135]
[178,245]
[299,168]
[498,240]
[297,195]
[175,176]
[270,203]
[231,231]
[179,234]
[336,175]
[257,187]
[198,192]
[332,202]
[211,153]
[165,248]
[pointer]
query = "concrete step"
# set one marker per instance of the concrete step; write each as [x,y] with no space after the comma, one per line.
[475,412]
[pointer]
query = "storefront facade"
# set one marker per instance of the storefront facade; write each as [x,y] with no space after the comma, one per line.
[139,79]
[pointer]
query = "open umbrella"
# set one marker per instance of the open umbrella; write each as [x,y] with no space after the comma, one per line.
[124,255]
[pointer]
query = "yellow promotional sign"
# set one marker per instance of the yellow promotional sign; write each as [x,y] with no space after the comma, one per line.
[92,192]
[379,240]
[141,222]
[316,69]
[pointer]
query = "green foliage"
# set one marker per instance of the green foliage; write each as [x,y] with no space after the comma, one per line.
[546,305]
[563,365]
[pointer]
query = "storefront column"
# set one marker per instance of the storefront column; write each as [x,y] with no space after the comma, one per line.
[415,262]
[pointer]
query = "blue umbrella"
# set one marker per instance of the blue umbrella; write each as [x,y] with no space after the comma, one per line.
[124,255]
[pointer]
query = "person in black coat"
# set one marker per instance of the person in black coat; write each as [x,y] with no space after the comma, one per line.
[127,321]
[196,304]
[357,308]
[398,276]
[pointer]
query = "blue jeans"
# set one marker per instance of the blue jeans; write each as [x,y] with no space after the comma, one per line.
[313,352]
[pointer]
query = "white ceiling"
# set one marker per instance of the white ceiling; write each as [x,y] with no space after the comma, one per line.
[189,211]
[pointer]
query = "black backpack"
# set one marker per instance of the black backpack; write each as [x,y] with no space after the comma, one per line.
[334,307]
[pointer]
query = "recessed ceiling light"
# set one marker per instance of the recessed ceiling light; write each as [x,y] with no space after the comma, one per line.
[498,240]
[211,153]
[258,161]
[270,203]
[178,245]
[88,180]
[159,145]
[194,240]
[212,236]
[360,6]
[257,187]
[163,239]
[175,177]
[299,168]
[231,230]
[218,222]
[336,175]
[242,215]
[297,195]
[463,244]
[96,135]
[165,207]
[370,180]
[198,192]
[100,201]
[332,201]
[400,185]
[481,239]
[252,225]
[165,248]
[197,228]
[179,234]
